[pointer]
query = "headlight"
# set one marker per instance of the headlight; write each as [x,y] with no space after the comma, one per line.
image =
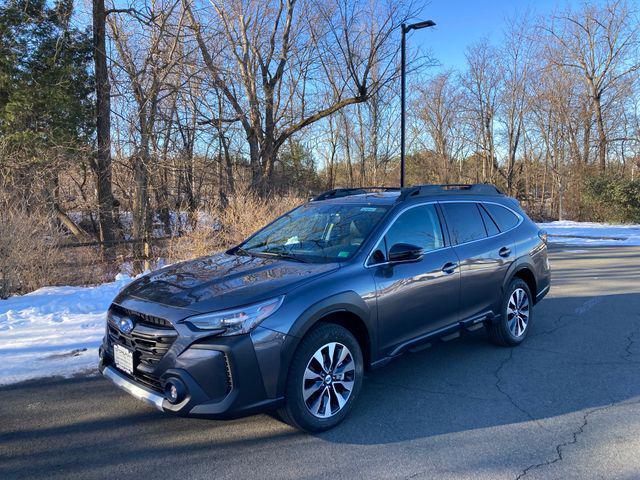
[238,320]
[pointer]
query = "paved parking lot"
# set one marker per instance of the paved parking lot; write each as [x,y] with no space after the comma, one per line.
[563,405]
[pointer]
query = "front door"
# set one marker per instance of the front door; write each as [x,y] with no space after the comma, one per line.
[418,296]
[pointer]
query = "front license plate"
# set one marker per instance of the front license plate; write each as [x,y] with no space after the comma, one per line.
[123,358]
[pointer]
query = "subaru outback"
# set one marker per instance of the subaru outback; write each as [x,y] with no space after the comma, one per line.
[291,318]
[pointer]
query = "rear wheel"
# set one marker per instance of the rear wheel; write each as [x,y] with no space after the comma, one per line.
[324,379]
[516,315]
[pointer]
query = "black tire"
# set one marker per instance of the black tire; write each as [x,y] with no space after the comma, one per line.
[499,332]
[295,412]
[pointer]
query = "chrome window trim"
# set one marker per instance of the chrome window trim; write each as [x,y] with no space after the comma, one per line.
[520,220]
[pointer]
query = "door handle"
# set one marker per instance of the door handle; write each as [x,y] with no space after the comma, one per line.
[504,252]
[449,267]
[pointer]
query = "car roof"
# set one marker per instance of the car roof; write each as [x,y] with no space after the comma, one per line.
[391,196]
[374,198]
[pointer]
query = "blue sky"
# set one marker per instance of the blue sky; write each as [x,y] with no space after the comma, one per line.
[463,22]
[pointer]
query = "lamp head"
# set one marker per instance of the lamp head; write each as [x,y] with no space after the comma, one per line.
[419,25]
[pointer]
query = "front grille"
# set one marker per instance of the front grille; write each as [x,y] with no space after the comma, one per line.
[149,344]
[141,317]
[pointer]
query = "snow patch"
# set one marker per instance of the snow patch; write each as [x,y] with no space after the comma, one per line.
[54,330]
[592,234]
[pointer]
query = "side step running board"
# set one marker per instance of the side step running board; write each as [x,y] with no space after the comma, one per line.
[451,336]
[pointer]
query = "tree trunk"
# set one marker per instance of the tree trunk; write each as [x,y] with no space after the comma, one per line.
[102,164]
[228,162]
[268,161]
[141,213]
[162,197]
[254,159]
[602,135]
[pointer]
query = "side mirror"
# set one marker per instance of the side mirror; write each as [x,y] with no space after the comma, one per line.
[377,257]
[404,252]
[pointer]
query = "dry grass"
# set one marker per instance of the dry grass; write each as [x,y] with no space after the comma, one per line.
[245,213]
[31,255]
[28,253]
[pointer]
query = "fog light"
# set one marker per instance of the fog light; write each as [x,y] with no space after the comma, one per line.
[174,391]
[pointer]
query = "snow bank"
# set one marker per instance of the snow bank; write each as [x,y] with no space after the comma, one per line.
[592,234]
[54,330]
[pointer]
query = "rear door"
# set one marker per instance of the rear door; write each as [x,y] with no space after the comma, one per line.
[484,255]
[419,296]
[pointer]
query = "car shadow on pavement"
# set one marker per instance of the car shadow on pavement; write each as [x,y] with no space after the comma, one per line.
[582,353]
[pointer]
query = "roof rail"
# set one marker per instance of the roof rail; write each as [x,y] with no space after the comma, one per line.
[345,192]
[451,188]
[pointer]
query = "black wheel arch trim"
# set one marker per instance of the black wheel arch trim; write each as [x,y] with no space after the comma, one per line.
[518,266]
[347,302]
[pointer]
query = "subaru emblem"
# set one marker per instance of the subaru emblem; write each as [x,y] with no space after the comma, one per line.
[125,324]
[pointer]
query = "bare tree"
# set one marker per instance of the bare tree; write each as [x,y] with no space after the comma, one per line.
[482,83]
[273,49]
[601,44]
[516,66]
[440,108]
[147,66]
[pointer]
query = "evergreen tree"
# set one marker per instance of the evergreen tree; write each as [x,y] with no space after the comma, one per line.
[45,85]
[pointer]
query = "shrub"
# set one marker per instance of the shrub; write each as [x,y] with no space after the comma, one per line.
[28,252]
[32,254]
[613,199]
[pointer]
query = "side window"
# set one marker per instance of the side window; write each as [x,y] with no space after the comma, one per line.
[504,218]
[464,222]
[417,226]
[489,224]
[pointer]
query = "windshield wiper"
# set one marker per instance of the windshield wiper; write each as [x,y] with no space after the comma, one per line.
[285,255]
[244,251]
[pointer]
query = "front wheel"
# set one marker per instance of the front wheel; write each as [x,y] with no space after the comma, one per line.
[324,379]
[516,315]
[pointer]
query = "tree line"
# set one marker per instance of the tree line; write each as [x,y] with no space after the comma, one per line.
[165,106]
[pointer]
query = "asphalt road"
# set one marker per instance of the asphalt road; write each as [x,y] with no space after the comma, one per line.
[565,404]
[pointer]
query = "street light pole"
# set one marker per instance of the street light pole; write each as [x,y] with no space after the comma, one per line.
[402,107]
[404,29]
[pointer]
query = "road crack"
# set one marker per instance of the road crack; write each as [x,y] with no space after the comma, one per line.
[627,347]
[628,355]
[577,314]
[558,324]
[507,395]
[575,434]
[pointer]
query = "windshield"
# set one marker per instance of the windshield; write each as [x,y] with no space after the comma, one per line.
[316,233]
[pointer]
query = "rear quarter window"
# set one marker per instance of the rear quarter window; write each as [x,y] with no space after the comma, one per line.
[490,225]
[504,218]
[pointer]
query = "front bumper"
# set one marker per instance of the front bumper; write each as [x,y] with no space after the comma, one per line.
[139,391]
[225,377]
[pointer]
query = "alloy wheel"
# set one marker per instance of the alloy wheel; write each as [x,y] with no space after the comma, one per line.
[328,380]
[518,312]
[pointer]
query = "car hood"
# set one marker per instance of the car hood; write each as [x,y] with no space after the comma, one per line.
[222,281]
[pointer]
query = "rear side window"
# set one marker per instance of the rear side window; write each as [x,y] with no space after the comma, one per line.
[464,222]
[504,218]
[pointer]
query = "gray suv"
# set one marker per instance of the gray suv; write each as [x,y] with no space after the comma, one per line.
[291,318]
